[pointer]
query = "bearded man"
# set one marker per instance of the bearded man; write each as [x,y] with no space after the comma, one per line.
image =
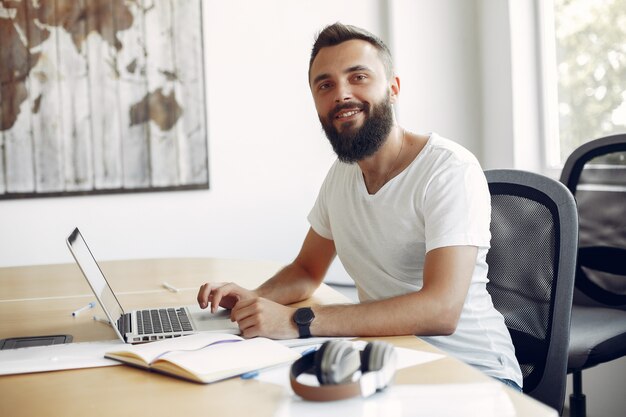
[407,214]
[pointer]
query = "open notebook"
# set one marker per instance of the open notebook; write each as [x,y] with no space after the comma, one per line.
[205,358]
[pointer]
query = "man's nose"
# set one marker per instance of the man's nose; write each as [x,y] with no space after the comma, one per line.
[342,93]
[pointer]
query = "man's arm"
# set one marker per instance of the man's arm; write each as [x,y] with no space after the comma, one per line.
[296,282]
[434,310]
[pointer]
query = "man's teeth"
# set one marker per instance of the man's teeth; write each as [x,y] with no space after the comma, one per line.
[348,114]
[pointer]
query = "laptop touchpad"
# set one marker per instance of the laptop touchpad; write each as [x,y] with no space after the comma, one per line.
[218,322]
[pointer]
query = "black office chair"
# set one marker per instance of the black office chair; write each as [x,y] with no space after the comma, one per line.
[596,174]
[534,237]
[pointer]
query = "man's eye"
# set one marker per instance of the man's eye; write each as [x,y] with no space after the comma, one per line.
[324,86]
[360,77]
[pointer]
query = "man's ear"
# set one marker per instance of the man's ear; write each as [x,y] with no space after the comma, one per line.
[394,89]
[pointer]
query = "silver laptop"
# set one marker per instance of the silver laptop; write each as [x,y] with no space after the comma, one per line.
[140,326]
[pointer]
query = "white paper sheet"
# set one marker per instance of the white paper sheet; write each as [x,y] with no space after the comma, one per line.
[485,399]
[57,357]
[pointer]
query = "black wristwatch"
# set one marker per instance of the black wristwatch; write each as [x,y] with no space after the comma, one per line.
[303,317]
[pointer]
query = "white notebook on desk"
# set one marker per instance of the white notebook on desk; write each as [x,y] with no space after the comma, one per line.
[57,357]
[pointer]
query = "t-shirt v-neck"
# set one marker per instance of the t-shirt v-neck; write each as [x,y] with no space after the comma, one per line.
[360,179]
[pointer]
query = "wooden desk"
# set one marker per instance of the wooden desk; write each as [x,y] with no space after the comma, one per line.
[38,300]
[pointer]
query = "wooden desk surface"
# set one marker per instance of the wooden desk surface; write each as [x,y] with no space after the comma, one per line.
[38,300]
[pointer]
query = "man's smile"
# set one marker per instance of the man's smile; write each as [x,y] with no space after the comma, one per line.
[347,113]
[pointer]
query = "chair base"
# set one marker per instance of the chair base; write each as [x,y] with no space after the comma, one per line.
[577,405]
[577,400]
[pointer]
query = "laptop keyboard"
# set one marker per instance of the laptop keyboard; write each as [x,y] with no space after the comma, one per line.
[163,320]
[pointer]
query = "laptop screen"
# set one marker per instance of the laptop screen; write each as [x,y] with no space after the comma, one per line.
[95,277]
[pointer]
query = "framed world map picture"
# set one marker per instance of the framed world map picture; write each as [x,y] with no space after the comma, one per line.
[101,96]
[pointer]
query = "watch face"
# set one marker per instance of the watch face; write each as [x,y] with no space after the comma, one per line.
[303,316]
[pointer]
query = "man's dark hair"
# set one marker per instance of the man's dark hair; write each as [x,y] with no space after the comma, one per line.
[338,33]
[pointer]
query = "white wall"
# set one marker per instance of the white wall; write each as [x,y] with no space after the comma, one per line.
[496,82]
[438,58]
[510,64]
[267,156]
[267,153]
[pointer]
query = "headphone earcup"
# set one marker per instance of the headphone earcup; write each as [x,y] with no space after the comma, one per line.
[380,358]
[375,355]
[317,361]
[336,361]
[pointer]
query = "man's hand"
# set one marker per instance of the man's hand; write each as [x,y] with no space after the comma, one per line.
[263,317]
[220,294]
[255,316]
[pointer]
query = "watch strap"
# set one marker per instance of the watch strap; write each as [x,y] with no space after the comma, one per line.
[304,330]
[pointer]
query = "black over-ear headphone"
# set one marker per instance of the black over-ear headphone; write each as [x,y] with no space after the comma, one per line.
[335,364]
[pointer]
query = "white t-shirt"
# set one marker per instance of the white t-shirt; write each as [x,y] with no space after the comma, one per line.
[440,199]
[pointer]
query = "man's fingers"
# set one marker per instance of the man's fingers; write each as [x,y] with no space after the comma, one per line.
[249,321]
[249,327]
[206,293]
[215,297]
[219,293]
[243,309]
[203,295]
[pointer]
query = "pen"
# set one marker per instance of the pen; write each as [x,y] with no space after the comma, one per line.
[250,375]
[309,350]
[105,321]
[87,307]
[170,287]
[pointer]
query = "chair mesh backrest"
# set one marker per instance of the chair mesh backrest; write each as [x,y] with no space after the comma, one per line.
[523,262]
[596,175]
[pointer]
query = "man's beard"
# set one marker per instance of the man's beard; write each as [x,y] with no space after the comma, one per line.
[354,144]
